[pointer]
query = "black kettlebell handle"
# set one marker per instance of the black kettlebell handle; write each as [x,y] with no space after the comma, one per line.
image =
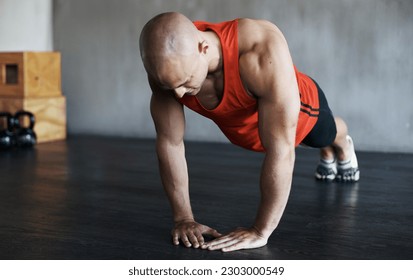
[20,114]
[11,122]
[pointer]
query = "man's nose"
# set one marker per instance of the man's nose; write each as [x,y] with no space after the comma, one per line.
[179,92]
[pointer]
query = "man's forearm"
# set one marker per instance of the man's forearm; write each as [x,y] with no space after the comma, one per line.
[276,178]
[174,175]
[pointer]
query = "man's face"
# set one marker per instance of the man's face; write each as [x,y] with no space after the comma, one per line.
[183,75]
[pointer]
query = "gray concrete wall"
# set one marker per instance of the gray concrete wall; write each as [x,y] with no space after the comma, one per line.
[26,25]
[360,52]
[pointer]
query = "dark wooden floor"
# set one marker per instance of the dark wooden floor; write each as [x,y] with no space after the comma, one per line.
[101,198]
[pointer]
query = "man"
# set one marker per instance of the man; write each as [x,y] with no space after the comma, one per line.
[239,74]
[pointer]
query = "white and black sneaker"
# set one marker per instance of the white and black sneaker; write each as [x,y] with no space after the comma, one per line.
[348,170]
[326,170]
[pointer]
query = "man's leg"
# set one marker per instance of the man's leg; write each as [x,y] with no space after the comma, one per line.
[339,158]
[340,147]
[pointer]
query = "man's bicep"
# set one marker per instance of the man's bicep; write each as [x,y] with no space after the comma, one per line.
[268,73]
[279,105]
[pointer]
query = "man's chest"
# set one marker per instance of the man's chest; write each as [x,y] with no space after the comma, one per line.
[211,92]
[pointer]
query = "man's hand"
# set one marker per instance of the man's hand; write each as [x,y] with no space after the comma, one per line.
[191,233]
[241,238]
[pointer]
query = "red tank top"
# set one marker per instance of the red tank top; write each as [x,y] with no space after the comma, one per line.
[237,114]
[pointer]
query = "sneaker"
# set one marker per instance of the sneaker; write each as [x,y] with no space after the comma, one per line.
[326,170]
[348,170]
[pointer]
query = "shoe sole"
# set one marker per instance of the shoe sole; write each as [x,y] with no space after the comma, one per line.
[353,177]
[329,178]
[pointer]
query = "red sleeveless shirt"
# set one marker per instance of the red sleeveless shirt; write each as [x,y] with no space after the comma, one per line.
[237,113]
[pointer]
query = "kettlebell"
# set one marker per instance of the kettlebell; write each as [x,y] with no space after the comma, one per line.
[25,136]
[7,137]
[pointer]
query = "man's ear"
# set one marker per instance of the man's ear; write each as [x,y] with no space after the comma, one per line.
[203,47]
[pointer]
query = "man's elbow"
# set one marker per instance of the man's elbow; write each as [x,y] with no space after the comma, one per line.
[283,152]
[166,146]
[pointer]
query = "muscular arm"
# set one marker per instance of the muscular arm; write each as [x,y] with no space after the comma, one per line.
[169,123]
[169,120]
[268,74]
[278,113]
[278,109]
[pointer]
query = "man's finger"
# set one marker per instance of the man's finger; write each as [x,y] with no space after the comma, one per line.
[214,233]
[227,242]
[193,239]
[200,238]
[217,241]
[234,247]
[185,240]
[175,238]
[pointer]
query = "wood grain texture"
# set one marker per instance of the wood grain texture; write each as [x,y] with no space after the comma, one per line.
[101,198]
[39,74]
[50,115]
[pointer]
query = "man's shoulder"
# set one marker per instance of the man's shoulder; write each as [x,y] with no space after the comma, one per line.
[258,40]
[262,49]
[254,34]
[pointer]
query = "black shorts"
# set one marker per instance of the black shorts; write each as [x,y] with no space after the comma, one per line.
[324,131]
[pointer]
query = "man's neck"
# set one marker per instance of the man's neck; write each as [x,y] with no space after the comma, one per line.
[214,54]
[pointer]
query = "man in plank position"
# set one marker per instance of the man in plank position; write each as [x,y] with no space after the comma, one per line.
[239,74]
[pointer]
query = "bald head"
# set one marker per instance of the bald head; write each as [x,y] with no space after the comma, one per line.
[165,37]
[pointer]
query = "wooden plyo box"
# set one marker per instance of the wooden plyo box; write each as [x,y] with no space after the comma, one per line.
[50,113]
[30,74]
